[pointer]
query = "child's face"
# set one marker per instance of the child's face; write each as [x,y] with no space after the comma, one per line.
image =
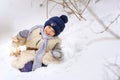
[48,30]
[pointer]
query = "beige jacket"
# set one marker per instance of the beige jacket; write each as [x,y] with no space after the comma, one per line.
[22,57]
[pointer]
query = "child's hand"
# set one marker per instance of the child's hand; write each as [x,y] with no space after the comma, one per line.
[57,53]
[15,52]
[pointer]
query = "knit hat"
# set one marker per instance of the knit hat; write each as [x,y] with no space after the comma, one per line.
[57,23]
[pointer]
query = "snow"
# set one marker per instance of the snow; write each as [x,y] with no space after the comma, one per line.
[86,58]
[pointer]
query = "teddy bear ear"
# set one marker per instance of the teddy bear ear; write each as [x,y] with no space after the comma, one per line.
[64,18]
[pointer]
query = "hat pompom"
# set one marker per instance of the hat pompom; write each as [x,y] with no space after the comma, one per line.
[64,18]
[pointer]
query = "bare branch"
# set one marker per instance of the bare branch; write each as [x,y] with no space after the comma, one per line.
[71,9]
[110,24]
[78,12]
[85,7]
[97,1]
[47,8]
[53,8]
[112,70]
[42,3]
[75,2]
[74,9]
[116,72]
[56,2]
[102,24]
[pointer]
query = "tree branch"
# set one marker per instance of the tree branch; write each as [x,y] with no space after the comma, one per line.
[74,9]
[77,11]
[112,71]
[85,7]
[110,24]
[102,24]
[56,2]
[47,8]
[71,9]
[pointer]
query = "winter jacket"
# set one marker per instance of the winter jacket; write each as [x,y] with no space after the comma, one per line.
[53,53]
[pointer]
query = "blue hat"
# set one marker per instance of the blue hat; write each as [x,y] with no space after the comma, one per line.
[57,23]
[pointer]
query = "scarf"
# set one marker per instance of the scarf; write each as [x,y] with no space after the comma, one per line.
[41,51]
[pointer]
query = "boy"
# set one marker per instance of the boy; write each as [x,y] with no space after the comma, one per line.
[42,45]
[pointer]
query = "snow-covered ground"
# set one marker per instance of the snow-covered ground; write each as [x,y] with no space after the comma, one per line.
[87,56]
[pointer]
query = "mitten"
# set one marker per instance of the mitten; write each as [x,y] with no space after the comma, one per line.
[57,54]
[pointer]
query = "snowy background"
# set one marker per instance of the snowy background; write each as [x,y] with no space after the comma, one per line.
[89,54]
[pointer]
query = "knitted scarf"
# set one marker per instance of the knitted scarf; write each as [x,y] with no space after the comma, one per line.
[41,51]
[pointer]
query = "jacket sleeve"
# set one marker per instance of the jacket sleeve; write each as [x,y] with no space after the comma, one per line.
[20,38]
[57,52]
[24,33]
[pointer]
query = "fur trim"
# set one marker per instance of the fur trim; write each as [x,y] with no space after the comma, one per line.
[25,57]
